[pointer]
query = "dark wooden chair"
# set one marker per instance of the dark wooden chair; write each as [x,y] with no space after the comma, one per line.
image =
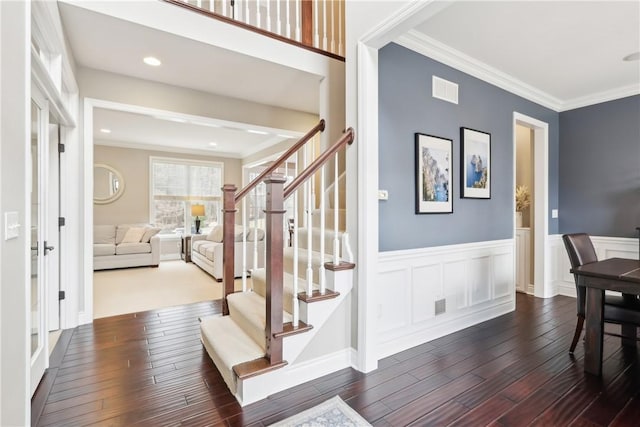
[623,310]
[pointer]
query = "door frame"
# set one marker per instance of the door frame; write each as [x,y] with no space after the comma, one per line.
[542,286]
[39,361]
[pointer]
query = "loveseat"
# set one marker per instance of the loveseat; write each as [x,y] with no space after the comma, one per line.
[207,250]
[125,245]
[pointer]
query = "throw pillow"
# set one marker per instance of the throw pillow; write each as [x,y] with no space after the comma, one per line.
[215,235]
[149,232]
[133,235]
[255,232]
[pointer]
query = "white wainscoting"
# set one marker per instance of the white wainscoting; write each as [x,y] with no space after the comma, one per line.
[606,247]
[476,280]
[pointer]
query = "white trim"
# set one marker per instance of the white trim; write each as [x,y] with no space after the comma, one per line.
[257,388]
[541,263]
[606,247]
[368,204]
[85,314]
[600,97]
[476,280]
[425,45]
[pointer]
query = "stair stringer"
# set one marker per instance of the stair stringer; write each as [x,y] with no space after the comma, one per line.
[259,387]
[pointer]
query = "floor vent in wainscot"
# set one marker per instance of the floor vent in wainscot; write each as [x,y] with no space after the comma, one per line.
[441,306]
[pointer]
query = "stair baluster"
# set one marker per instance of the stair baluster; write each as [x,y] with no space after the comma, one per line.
[336,206]
[321,272]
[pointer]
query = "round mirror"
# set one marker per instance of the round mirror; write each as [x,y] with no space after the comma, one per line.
[108,184]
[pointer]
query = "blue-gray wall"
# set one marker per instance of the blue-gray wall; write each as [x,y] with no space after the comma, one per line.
[406,107]
[600,169]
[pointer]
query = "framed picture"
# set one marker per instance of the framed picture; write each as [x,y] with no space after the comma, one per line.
[475,164]
[433,174]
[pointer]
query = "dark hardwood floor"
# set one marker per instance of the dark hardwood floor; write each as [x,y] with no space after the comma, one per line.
[149,368]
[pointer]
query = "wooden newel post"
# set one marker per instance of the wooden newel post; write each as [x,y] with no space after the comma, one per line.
[228,241]
[275,245]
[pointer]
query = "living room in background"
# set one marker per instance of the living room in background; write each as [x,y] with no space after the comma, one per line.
[177,184]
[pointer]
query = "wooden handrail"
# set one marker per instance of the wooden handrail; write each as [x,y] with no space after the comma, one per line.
[283,158]
[347,138]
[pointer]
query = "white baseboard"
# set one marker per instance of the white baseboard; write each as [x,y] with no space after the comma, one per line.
[260,387]
[424,335]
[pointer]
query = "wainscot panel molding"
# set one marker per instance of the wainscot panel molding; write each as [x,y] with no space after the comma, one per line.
[475,280]
[606,247]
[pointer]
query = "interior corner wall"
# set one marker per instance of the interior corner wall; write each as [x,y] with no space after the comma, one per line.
[133,164]
[406,107]
[600,169]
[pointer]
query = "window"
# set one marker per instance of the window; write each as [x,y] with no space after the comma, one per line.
[177,184]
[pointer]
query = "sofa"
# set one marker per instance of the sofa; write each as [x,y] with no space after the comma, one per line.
[125,245]
[207,250]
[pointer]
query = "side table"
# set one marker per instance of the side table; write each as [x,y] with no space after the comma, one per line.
[185,248]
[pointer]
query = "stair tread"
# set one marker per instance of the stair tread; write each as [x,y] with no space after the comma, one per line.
[228,345]
[248,310]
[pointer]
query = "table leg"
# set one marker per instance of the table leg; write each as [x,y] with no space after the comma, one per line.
[593,333]
[629,332]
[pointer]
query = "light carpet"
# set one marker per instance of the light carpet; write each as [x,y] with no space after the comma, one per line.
[333,412]
[130,290]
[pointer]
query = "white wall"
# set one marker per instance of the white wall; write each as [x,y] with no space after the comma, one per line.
[15,18]
[128,90]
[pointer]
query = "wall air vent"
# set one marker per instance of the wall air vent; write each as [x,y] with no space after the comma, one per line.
[445,90]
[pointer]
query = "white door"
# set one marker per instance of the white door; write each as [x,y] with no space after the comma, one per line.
[38,228]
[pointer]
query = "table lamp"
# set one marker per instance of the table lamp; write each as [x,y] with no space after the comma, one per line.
[197,211]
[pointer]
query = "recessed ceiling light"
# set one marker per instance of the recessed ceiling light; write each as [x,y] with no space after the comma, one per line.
[257,132]
[152,60]
[105,130]
[632,57]
[213,144]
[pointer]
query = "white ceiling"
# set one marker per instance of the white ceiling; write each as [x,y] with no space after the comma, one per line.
[104,43]
[562,54]
[570,52]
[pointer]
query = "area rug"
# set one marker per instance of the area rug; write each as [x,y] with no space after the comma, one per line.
[334,412]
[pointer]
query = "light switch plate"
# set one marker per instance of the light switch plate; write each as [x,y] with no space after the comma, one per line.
[554,213]
[383,195]
[11,225]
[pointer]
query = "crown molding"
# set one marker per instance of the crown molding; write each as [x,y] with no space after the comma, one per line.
[600,97]
[420,43]
[434,49]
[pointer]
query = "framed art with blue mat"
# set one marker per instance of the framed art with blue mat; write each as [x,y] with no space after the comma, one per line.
[475,164]
[433,174]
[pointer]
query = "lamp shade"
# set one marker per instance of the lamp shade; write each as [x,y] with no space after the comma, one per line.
[197,210]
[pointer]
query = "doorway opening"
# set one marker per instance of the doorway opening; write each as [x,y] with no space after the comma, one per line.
[538,132]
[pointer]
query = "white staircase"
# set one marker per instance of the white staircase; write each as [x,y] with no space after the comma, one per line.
[257,343]
[239,338]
